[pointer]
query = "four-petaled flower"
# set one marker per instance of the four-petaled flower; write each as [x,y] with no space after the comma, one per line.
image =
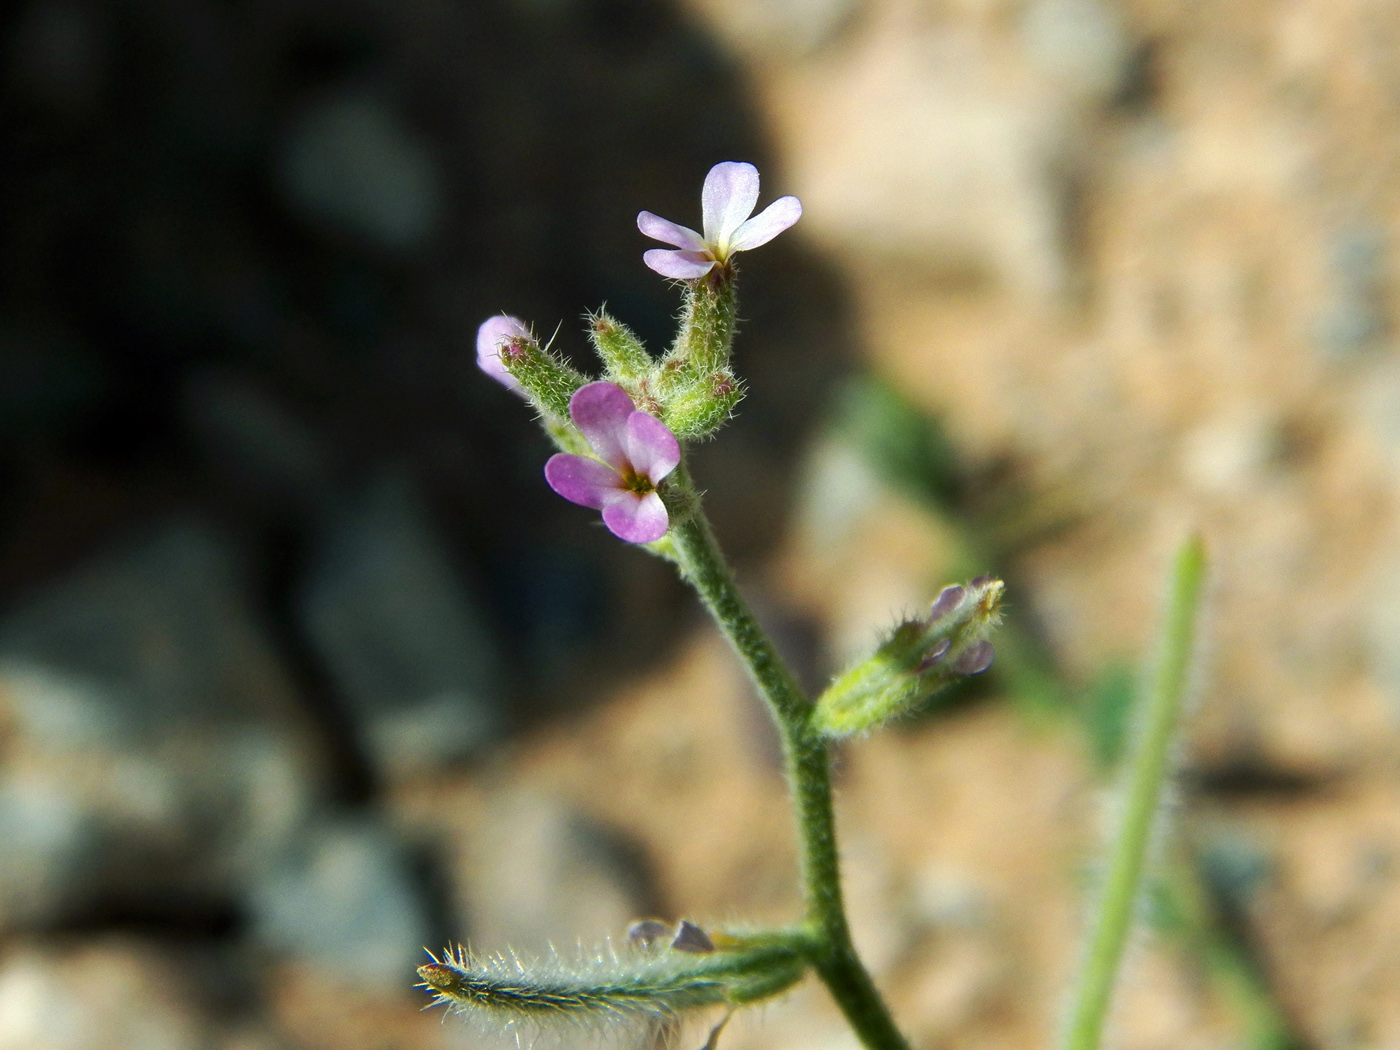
[494,333]
[636,451]
[727,201]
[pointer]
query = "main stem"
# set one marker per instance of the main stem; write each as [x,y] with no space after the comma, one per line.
[831,951]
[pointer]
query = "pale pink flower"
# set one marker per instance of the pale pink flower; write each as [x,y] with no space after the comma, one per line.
[635,453]
[494,333]
[727,201]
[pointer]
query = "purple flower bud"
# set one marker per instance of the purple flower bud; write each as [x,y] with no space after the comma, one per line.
[494,335]
[646,932]
[975,659]
[978,582]
[948,600]
[691,938]
[934,655]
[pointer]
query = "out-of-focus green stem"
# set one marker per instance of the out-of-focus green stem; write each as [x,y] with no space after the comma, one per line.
[1147,775]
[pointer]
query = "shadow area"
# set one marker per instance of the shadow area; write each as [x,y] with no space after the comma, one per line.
[247,247]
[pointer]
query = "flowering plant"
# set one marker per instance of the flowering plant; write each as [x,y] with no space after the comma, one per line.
[622,440]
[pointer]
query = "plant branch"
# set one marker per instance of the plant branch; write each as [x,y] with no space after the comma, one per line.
[831,952]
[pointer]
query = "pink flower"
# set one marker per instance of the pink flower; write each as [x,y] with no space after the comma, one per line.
[636,452]
[727,201]
[493,334]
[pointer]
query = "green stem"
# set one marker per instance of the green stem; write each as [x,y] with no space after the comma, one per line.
[1144,791]
[831,952]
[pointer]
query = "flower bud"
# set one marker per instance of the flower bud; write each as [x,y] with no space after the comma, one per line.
[545,379]
[622,352]
[917,659]
[696,408]
[646,932]
[691,938]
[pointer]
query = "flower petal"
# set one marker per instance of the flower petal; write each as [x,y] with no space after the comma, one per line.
[679,266]
[949,598]
[668,232]
[582,480]
[494,367]
[637,519]
[651,447]
[767,224]
[600,411]
[975,659]
[493,332]
[731,191]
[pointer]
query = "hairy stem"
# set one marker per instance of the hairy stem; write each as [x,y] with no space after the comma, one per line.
[831,951]
[1146,777]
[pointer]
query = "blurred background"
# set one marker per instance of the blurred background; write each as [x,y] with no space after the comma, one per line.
[303,668]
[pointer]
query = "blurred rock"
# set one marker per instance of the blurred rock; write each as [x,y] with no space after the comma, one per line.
[48,376]
[945,899]
[153,753]
[57,54]
[256,439]
[766,29]
[1355,317]
[115,996]
[962,975]
[50,840]
[1381,628]
[351,161]
[1081,44]
[400,635]
[1236,866]
[344,901]
[837,488]
[919,147]
[1228,453]
[536,874]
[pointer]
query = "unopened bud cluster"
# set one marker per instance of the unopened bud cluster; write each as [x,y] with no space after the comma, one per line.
[919,657]
[691,390]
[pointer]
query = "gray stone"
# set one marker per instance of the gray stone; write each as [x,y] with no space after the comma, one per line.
[535,874]
[350,160]
[48,376]
[154,746]
[1354,318]
[124,1002]
[256,439]
[1082,44]
[58,54]
[768,29]
[400,636]
[1236,866]
[49,839]
[345,903]
[923,153]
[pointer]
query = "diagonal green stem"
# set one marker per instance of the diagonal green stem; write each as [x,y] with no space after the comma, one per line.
[1146,778]
[830,951]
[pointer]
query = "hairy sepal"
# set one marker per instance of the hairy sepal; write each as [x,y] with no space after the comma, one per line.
[706,333]
[623,355]
[547,380]
[917,659]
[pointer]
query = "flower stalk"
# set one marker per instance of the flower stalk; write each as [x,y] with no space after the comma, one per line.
[830,949]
